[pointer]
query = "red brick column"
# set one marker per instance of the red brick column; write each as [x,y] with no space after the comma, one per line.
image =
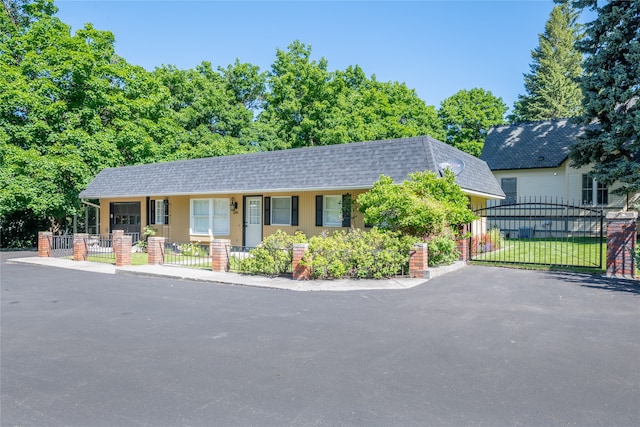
[115,235]
[155,250]
[419,260]
[621,244]
[45,243]
[219,250]
[300,271]
[122,248]
[80,251]
[462,245]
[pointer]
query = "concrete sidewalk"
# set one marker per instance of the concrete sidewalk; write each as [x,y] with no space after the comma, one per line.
[182,273]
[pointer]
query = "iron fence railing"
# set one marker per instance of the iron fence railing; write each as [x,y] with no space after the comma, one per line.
[187,254]
[546,232]
[61,245]
[100,246]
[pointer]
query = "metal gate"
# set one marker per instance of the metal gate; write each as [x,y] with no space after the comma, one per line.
[548,233]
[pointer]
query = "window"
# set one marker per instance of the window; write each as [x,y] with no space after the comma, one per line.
[210,216]
[593,191]
[332,211]
[159,212]
[510,188]
[280,210]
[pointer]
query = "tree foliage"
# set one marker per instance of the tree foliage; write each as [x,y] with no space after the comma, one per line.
[552,85]
[423,206]
[611,89]
[467,117]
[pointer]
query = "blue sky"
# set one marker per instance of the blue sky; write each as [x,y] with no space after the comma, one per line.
[435,47]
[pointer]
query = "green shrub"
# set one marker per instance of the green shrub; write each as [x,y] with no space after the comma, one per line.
[442,250]
[273,256]
[495,237]
[358,254]
[193,249]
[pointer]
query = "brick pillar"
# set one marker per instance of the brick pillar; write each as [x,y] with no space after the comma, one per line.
[621,244]
[80,251]
[45,243]
[122,248]
[462,244]
[219,250]
[419,260]
[155,250]
[300,271]
[115,235]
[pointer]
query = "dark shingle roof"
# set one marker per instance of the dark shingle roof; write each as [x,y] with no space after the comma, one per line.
[530,145]
[345,166]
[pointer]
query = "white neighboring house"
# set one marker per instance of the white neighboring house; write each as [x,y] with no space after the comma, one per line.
[531,160]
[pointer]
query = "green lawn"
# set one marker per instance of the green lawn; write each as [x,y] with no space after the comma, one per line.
[577,252]
[137,258]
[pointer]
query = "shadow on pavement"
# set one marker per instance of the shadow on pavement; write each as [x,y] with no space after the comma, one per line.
[598,281]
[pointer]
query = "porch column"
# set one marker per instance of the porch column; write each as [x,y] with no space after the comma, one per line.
[300,271]
[122,248]
[155,250]
[219,250]
[419,261]
[45,243]
[80,251]
[621,244]
[115,235]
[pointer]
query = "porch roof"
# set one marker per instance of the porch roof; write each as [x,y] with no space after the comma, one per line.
[334,167]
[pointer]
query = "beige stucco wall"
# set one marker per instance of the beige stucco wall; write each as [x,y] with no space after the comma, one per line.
[179,215]
[564,182]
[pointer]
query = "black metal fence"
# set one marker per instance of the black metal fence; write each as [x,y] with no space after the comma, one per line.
[61,246]
[544,232]
[188,254]
[100,246]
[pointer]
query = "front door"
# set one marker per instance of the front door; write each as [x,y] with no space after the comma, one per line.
[125,216]
[252,221]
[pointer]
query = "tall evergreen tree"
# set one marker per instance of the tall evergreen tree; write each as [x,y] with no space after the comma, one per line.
[552,86]
[611,88]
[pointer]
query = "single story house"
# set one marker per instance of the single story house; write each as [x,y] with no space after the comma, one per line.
[531,161]
[249,196]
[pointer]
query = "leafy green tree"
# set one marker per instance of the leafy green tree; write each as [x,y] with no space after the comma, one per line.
[552,86]
[467,117]
[69,106]
[422,206]
[611,89]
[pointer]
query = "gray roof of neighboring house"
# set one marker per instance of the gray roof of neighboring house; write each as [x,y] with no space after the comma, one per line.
[344,166]
[531,145]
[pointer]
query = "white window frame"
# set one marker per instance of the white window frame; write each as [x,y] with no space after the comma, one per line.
[325,211]
[273,199]
[159,212]
[218,220]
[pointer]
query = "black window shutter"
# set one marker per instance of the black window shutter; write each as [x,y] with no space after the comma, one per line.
[166,212]
[346,210]
[294,210]
[267,211]
[148,210]
[318,211]
[152,204]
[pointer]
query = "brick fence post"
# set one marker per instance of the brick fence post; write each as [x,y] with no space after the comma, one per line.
[621,244]
[80,251]
[419,261]
[122,248]
[45,243]
[219,251]
[155,250]
[462,244]
[300,271]
[115,235]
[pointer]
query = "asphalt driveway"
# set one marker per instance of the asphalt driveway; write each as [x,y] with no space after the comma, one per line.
[479,346]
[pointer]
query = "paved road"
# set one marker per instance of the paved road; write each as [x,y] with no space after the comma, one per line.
[477,347]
